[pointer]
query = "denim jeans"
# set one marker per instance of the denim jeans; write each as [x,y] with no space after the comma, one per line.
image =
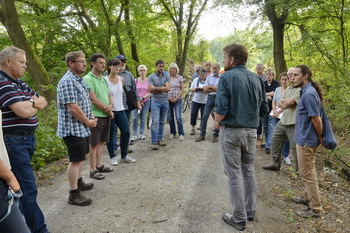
[142,117]
[177,108]
[209,106]
[120,121]
[238,151]
[269,125]
[14,222]
[194,112]
[115,136]
[159,114]
[20,150]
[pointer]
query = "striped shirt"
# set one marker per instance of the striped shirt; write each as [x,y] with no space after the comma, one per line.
[13,91]
[72,89]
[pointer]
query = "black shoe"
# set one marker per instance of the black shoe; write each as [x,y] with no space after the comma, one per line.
[82,186]
[267,150]
[262,145]
[229,220]
[77,198]
[300,200]
[270,167]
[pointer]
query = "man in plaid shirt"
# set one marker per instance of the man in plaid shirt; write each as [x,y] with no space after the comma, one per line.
[74,120]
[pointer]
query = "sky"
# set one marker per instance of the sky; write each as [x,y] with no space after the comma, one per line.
[219,22]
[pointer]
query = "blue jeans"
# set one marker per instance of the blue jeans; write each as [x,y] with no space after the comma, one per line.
[115,136]
[260,127]
[177,108]
[159,113]
[209,106]
[21,150]
[14,222]
[120,121]
[142,117]
[269,125]
[194,112]
[238,152]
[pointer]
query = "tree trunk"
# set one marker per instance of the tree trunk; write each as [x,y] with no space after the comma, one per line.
[14,29]
[133,46]
[278,24]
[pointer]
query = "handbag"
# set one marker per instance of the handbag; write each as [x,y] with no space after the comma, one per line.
[330,142]
[130,99]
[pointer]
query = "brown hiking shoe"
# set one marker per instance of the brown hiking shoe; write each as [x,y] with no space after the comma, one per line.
[77,198]
[200,138]
[82,186]
[215,139]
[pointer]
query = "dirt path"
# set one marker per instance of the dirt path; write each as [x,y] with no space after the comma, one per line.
[180,188]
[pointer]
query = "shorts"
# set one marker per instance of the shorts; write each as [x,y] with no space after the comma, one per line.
[77,147]
[100,133]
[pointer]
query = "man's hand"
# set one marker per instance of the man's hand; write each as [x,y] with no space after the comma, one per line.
[39,102]
[92,123]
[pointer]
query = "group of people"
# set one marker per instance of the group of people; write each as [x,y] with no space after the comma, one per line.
[92,107]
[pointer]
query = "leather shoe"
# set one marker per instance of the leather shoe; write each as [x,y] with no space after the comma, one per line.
[300,200]
[228,218]
[267,150]
[271,168]
[200,138]
[215,139]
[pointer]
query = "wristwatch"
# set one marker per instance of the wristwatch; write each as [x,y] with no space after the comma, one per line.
[33,101]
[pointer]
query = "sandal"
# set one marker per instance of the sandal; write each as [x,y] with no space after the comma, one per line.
[96,175]
[104,169]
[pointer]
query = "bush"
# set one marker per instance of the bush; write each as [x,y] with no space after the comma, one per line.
[49,147]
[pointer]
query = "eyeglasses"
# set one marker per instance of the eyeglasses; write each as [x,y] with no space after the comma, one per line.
[82,61]
[142,70]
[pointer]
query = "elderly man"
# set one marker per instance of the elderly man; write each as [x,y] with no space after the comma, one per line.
[240,102]
[19,105]
[74,120]
[102,105]
[285,128]
[196,74]
[210,86]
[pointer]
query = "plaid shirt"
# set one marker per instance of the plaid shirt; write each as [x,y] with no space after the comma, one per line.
[175,86]
[72,89]
[129,83]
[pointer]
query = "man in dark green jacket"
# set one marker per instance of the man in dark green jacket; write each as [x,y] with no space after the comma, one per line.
[240,103]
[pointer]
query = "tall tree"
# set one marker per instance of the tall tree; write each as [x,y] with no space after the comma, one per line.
[9,18]
[185,16]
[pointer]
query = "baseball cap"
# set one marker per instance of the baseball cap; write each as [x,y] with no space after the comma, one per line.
[121,57]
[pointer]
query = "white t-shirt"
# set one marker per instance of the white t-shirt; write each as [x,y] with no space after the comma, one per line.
[199,96]
[3,152]
[116,91]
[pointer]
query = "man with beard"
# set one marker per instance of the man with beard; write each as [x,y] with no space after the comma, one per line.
[240,102]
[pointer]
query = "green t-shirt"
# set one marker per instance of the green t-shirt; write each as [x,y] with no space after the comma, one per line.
[289,114]
[101,89]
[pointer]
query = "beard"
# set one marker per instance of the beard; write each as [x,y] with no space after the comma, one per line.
[122,68]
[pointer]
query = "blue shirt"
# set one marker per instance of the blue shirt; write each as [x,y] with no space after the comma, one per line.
[212,80]
[309,106]
[72,89]
[241,98]
[159,81]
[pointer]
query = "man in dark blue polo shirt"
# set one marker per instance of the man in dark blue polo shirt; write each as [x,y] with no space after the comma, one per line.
[308,136]
[240,102]
[19,105]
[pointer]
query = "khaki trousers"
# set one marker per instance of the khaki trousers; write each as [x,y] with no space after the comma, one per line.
[307,171]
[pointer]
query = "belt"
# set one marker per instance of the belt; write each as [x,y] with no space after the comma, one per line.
[18,132]
[212,95]
[235,127]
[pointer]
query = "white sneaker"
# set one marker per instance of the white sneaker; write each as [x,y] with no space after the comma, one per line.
[128,159]
[142,137]
[114,161]
[181,138]
[171,137]
[287,161]
[133,139]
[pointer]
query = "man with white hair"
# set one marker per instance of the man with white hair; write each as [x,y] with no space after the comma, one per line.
[195,75]
[19,105]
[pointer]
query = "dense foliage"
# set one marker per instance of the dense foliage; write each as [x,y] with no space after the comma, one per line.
[315,33]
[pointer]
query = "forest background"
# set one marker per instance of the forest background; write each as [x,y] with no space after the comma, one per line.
[279,34]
